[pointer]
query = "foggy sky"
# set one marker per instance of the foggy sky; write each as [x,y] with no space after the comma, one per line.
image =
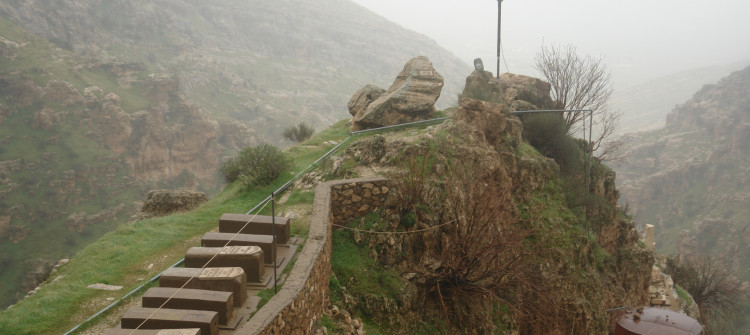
[639,39]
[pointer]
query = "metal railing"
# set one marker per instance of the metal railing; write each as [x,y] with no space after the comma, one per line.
[263,202]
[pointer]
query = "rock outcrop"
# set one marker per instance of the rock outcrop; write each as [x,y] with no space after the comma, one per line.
[164,202]
[517,92]
[690,180]
[411,97]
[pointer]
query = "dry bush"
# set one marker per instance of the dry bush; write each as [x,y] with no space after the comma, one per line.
[480,258]
[715,289]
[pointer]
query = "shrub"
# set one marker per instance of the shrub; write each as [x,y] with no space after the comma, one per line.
[259,165]
[298,133]
[548,133]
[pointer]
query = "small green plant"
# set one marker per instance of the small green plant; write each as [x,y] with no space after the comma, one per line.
[298,133]
[256,166]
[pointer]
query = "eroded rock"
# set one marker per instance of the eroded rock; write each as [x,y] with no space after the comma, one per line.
[163,202]
[516,91]
[410,98]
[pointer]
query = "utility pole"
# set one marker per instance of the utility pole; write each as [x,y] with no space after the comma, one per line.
[499,6]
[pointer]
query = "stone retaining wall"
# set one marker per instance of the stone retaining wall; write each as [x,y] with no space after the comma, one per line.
[300,303]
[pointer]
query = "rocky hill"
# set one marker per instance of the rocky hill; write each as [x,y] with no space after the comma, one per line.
[101,101]
[646,105]
[692,178]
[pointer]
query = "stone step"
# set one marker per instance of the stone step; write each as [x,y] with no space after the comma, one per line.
[165,318]
[120,331]
[249,258]
[204,300]
[259,225]
[265,242]
[228,279]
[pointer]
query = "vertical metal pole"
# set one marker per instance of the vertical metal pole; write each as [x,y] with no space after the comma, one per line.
[273,233]
[499,6]
[590,146]
[586,176]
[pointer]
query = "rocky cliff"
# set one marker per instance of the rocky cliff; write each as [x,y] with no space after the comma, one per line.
[691,179]
[101,101]
[474,170]
[256,61]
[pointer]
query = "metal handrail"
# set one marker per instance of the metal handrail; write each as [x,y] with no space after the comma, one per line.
[263,202]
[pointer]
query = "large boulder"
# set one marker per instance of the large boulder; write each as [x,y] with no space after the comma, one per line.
[410,98]
[516,91]
[164,202]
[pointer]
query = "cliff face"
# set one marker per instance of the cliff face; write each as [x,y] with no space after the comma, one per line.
[692,179]
[693,175]
[560,279]
[265,63]
[101,101]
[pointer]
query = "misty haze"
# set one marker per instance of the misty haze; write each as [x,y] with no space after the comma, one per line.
[381,167]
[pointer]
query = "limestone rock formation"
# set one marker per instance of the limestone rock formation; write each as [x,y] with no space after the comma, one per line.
[518,92]
[690,180]
[8,48]
[163,202]
[363,98]
[411,97]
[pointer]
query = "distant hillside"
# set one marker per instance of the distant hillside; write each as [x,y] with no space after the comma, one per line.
[645,106]
[692,179]
[266,63]
[101,101]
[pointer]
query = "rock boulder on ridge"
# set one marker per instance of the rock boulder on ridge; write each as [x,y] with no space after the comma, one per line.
[410,98]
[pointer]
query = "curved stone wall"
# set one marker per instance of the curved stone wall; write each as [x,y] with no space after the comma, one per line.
[296,308]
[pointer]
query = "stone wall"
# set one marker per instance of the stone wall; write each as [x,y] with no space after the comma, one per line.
[300,303]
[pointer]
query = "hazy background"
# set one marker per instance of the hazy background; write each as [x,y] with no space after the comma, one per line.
[641,40]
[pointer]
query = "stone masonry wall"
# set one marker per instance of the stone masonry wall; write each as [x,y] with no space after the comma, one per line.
[300,303]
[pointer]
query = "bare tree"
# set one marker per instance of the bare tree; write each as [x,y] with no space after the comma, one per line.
[717,292]
[582,83]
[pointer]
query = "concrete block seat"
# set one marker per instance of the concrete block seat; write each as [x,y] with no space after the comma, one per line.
[265,242]
[259,225]
[249,258]
[165,318]
[218,301]
[226,279]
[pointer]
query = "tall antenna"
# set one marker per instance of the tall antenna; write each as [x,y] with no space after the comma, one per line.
[499,11]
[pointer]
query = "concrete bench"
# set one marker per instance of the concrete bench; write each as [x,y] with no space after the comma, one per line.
[231,279]
[249,258]
[165,318]
[204,300]
[265,242]
[259,225]
[120,331]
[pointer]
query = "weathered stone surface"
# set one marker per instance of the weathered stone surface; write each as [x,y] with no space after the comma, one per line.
[265,242]
[517,92]
[410,98]
[204,300]
[163,202]
[363,98]
[249,258]
[8,48]
[104,287]
[258,225]
[164,318]
[231,279]
[488,118]
[62,93]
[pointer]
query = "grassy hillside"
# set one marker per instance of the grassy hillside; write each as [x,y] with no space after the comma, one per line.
[136,251]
